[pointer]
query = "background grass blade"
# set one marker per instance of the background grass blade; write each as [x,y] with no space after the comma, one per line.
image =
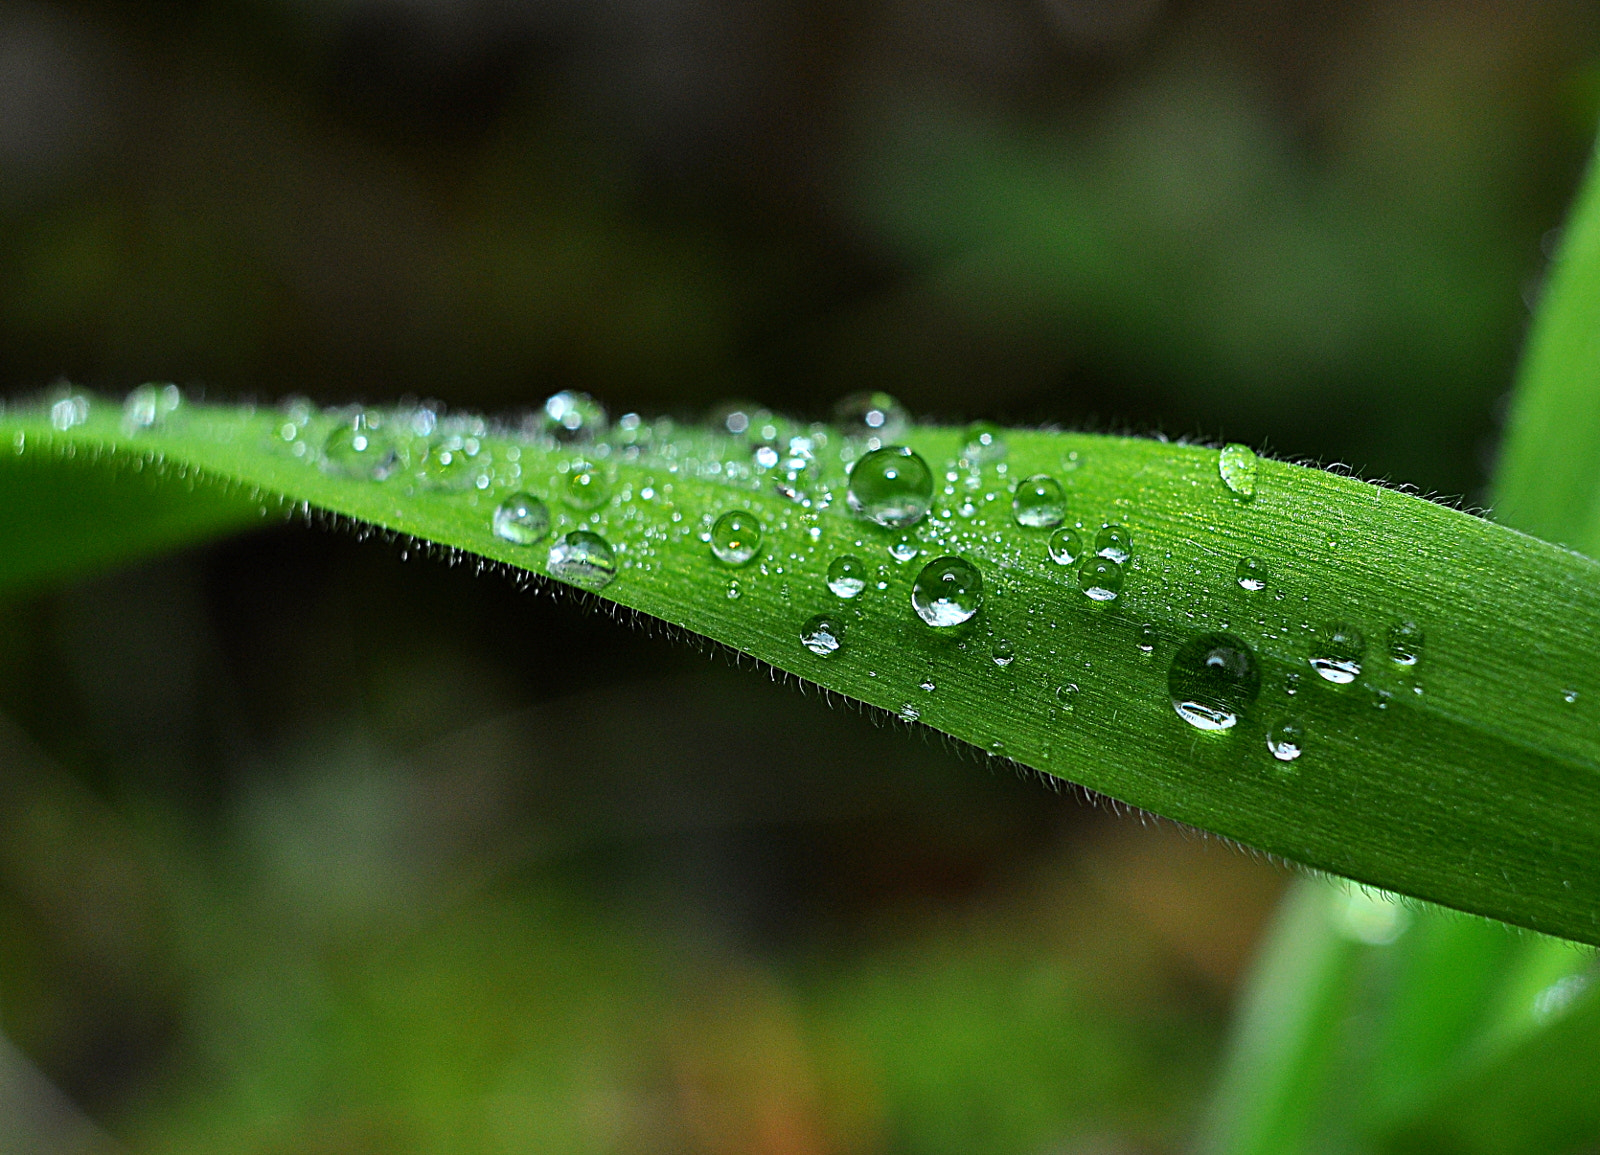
[1468,778]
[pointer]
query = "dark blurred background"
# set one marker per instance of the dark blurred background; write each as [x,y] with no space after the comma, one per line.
[309,848]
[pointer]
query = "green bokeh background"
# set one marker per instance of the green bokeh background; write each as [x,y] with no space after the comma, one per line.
[308,846]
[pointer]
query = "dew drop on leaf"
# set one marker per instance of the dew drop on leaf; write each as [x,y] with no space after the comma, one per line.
[1148,637]
[1067,696]
[149,405]
[1337,654]
[1405,643]
[1252,574]
[1039,502]
[1213,679]
[583,559]
[1003,653]
[1286,740]
[735,537]
[521,519]
[451,463]
[69,411]
[892,486]
[948,592]
[822,635]
[1115,543]
[585,486]
[847,575]
[1065,547]
[360,448]
[1100,579]
[909,713]
[1569,696]
[904,550]
[873,418]
[573,416]
[984,442]
[1237,466]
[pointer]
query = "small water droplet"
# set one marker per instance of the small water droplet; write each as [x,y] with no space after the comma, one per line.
[360,448]
[521,519]
[847,575]
[1148,637]
[734,590]
[583,559]
[909,713]
[928,685]
[1237,465]
[1338,655]
[451,463]
[1039,502]
[1291,683]
[1114,542]
[984,442]
[586,486]
[873,419]
[1213,679]
[149,404]
[1253,574]
[892,486]
[1286,740]
[1003,653]
[69,411]
[736,537]
[1067,696]
[997,747]
[822,635]
[573,416]
[1569,696]
[1100,579]
[1065,547]
[948,592]
[904,550]
[1405,643]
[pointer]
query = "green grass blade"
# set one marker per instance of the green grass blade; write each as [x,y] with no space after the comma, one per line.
[1469,779]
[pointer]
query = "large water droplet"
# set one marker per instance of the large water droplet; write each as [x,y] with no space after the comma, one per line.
[1003,653]
[822,635]
[871,418]
[1286,740]
[891,486]
[521,519]
[984,442]
[947,592]
[583,559]
[1253,574]
[1213,679]
[1065,547]
[735,537]
[149,405]
[586,486]
[360,448]
[1338,655]
[1405,643]
[1237,465]
[1039,502]
[1100,579]
[1067,696]
[573,416]
[847,575]
[1114,542]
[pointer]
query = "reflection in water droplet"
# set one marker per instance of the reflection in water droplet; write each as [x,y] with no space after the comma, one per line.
[1101,579]
[873,418]
[904,550]
[734,590]
[1237,465]
[735,537]
[1213,679]
[586,486]
[521,519]
[1003,653]
[1065,547]
[1148,637]
[948,592]
[583,559]
[1067,696]
[822,635]
[1039,502]
[1405,643]
[1286,740]
[891,486]
[847,575]
[1338,654]
[984,442]
[573,416]
[360,448]
[1114,542]
[1253,574]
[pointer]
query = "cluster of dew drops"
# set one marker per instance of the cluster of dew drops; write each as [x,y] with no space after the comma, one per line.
[1213,679]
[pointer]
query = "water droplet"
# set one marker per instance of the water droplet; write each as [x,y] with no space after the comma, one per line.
[1148,637]
[947,592]
[891,486]
[847,575]
[1237,466]
[583,559]
[1067,696]
[149,405]
[1253,574]
[872,418]
[1213,679]
[1101,579]
[984,442]
[452,463]
[734,591]
[573,416]
[360,448]
[1286,740]
[1569,696]
[1003,653]
[521,519]
[1338,654]
[1405,643]
[735,537]
[909,713]
[1039,502]
[586,486]
[69,411]
[928,685]
[1291,683]
[1114,542]
[822,635]
[1065,547]
[997,747]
